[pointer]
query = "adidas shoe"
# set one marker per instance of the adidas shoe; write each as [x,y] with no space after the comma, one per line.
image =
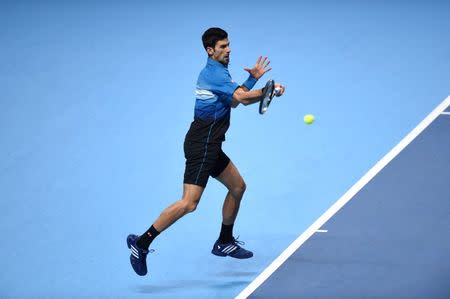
[232,249]
[138,256]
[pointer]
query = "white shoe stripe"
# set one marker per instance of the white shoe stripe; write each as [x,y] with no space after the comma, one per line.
[134,254]
[226,248]
[134,250]
[230,249]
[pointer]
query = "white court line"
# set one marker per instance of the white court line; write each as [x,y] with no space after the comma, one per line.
[321,231]
[343,200]
[446,113]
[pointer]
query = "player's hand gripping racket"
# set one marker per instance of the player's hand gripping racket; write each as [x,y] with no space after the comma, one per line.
[269,91]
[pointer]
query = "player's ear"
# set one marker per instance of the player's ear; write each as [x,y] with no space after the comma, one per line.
[210,51]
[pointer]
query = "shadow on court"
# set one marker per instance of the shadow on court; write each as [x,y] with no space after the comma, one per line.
[200,284]
[190,285]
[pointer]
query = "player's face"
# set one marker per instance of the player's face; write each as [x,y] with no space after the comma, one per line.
[221,51]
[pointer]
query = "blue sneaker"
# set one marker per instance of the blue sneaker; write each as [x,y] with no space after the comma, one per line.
[231,249]
[138,256]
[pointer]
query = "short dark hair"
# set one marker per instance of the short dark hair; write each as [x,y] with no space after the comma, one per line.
[212,36]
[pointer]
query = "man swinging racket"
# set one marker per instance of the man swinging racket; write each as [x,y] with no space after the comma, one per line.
[216,94]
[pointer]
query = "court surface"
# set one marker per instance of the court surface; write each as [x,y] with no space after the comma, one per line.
[389,241]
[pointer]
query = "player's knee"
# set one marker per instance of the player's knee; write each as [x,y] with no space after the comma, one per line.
[190,206]
[239,189]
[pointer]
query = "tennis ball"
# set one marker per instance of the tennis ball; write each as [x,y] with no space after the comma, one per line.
[308,119]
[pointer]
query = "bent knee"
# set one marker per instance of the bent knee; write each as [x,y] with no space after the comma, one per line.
[190,206]
[239,189]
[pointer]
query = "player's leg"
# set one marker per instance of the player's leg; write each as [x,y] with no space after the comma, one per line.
[233,181]
[139,245]
[199,160]
[188,203]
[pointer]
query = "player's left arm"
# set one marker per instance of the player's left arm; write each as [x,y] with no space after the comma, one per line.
[259,69]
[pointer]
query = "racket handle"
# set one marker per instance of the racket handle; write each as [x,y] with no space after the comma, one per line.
[277,92]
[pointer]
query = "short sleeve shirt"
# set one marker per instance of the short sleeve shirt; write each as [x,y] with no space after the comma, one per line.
[214,93]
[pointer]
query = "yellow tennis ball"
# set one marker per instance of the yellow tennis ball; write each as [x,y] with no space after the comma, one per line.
[308,119]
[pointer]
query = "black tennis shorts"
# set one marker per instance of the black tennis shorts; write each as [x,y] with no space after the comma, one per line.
[203,160]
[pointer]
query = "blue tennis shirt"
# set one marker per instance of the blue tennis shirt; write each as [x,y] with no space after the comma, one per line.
[213,97]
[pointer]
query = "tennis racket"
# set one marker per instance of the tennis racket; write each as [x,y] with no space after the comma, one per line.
[268,93]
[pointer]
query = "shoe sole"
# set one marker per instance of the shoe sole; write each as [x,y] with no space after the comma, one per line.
[224,255]
[219,253]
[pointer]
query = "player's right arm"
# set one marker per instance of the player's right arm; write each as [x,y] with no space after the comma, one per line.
[243,96]
[246,97]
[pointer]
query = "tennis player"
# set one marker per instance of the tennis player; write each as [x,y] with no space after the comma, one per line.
[216,94]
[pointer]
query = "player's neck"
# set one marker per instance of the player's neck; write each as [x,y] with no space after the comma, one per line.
[218,61]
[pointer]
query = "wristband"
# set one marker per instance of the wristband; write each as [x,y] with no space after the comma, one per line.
[250,82]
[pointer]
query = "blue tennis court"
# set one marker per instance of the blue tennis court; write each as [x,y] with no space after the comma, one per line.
[389,240]
[96,99]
